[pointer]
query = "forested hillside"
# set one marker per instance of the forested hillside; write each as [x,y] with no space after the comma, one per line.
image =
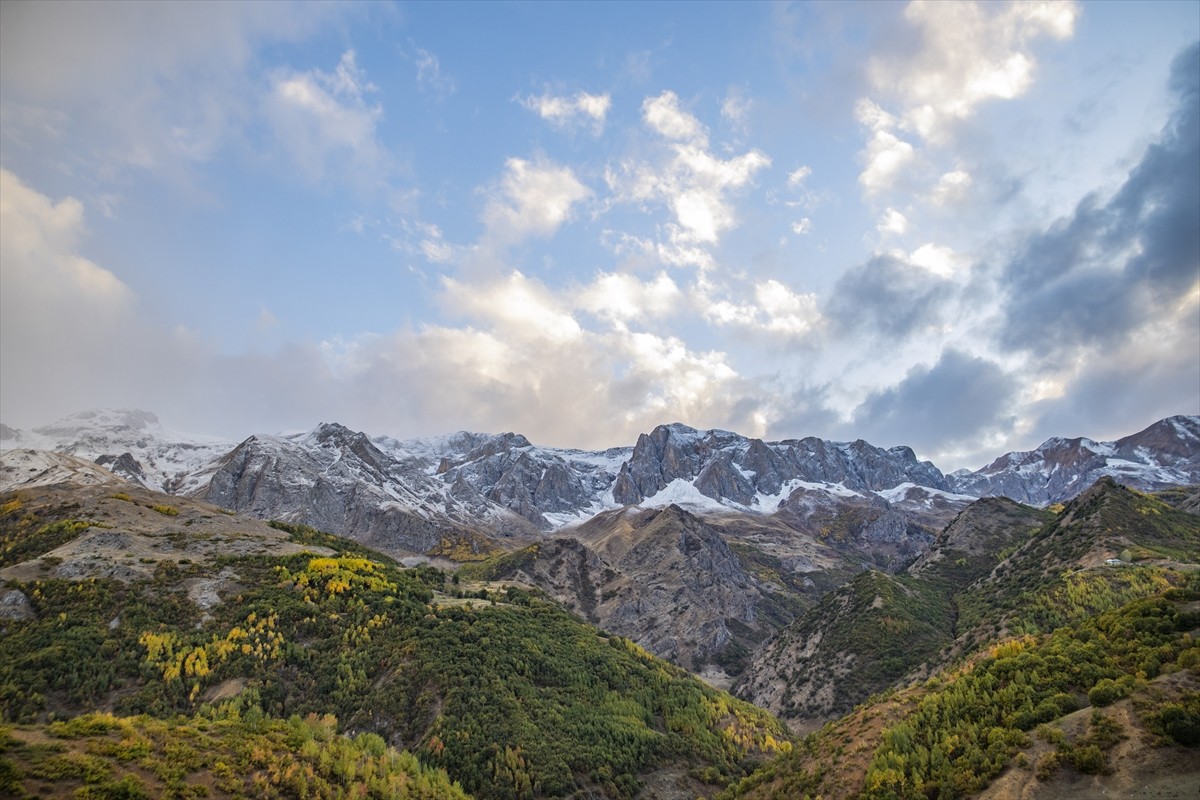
[1014,710]
[999,570]
[503,690]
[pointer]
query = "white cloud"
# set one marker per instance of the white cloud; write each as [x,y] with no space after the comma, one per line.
[540,373]
[60,313]
[969,53]
[797,176]
[938,259]
[663,115]
[435,249]
[802,227]
[424,239]
[736,109]
[775,310]
[681,384]
[892,221]
[40,242]
[128,86]
[965,54]
[689,180]
[951,187]
[786,311]
[532,199]
[885,157]
[523,310]
[621,298]
[519,360]
[566,112]
[430,76]
[325,123]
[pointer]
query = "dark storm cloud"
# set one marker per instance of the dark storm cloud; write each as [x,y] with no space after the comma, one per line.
[959,399]
[1125,393]
[806,411]
[1092,278]
[887,296]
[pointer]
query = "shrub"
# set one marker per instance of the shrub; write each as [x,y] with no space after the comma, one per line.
[1088,759]
[1178,720]
[1105,692]
[1046,765]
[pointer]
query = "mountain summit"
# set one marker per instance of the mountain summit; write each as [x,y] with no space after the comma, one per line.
[403,495]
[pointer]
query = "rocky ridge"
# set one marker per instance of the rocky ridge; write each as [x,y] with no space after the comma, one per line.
[400,495]
[1165,454]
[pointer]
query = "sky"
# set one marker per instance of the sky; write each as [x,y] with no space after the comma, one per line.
[961,227]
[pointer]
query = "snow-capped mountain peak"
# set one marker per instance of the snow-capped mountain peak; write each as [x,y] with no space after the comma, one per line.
[130,442]
[1165,454]
[348,481]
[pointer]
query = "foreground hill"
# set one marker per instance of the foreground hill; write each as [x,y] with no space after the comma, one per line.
[224,753]
[1106,707]
[503,690]
[1000,569]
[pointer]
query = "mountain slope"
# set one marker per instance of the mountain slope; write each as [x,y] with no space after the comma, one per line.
[665,578]
[223,754]
[506,485]
[1165,454]
[1010,723]
[129,443]
[335,479]
[999,569]
[504,690]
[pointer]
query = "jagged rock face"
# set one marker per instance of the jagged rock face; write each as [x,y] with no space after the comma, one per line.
[530,481]
[124,465]
[869,529]
[661,577]
[333,479]
[821,665]
[566,569]
[510,487]
[1165,454]
[685,587]
[860,466]
[728,467]
[15,605]
[722,480]
[667,453]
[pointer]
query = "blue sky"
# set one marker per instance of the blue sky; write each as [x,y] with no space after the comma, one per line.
[962,227]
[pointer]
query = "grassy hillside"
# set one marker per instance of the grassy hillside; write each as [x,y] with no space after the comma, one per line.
[503,690]
[1061,575]
[955,734]
[997,571]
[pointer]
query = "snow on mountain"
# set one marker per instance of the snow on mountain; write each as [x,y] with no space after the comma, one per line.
[751,474]
[128,442]
[505,485]
[27,469]
[1165,454]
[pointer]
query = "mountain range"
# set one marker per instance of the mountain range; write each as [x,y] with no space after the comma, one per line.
[502,485]
[848,590]
[698,545]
